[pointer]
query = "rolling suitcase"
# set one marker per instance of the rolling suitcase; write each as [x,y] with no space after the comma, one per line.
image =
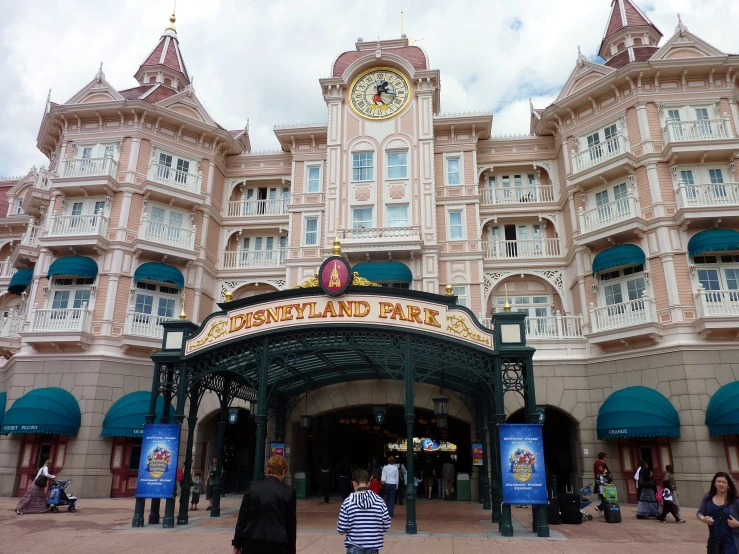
[569,508]
[612,513]
[553,509]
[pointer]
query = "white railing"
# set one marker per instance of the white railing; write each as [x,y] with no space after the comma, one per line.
[381,233]
[717,303]
[607,214]
[12,324]
[177,178]
[87,167]
[529,248]
[550,327]
[69,319]
[31,236]
[702,129]
[75,225]
[244,208]
[517,194]
[237,259]
[6,270]
[598,153]
[166,234]
[716,194]
[625,314]
[145,325]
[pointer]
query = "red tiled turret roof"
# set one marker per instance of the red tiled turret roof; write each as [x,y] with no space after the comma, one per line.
[167,54]
[626,14]
[413,54]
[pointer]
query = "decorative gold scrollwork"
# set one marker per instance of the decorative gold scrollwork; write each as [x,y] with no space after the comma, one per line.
[310,283]
[362,282]
[458,326]
[216,331]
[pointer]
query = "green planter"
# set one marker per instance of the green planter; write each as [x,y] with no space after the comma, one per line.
[301,485]
[463,487]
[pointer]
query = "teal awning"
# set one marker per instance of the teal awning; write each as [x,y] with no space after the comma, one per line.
[79,266]
[395,272]
[722,415]
[20,280]
[159,272]
[127,416]
[621,255]
[715,240]
[3,399]
[637,412]
[47,411]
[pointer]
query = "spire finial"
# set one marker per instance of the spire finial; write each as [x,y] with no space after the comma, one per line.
[681,28]
[100,75]
[507,306]
[172,18]
[183,315]
[402,23]
[580,57]
[336,250]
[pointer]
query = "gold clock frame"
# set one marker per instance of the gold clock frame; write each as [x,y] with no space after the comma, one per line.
[373,70]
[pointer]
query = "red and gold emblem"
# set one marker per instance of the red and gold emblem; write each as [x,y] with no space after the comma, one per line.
[335,275]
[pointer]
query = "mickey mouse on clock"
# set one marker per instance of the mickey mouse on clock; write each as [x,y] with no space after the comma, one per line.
[382,87]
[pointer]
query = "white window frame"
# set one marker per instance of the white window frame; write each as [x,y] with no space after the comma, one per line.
[370,224]
[157,294]
[390,207]
[529,305]
[304,229]
[622,280]
[388,153]
[719,265]
[462,292]
[460,157]
[687,111]
[610,188]
[373,166]
[72,288]
[603,132]
[98,150]
[88,206]
[449,211]
[186,218]
[308,167]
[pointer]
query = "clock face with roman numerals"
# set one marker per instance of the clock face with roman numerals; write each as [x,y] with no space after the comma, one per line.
[379,93]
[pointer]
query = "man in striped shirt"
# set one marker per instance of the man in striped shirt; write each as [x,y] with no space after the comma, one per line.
[363,518]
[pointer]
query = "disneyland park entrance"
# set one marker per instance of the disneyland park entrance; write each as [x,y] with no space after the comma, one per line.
[413,354]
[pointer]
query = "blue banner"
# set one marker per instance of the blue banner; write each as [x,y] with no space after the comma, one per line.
[158,465]
[522,464]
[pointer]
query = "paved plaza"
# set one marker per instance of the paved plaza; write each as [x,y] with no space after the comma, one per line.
[102,526]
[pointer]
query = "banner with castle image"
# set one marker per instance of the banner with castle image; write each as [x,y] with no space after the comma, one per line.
[158,465]
[522,464]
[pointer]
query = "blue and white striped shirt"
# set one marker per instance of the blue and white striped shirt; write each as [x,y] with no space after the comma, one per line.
[363,518]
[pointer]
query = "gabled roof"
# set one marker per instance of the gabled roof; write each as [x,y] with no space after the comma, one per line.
[585,73]
[150,93]
[684,44]
[97,90]
[187,104]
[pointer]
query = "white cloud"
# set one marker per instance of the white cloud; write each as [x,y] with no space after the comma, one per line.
[262,60]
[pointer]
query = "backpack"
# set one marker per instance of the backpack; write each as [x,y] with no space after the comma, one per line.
[180,475]
[610,494]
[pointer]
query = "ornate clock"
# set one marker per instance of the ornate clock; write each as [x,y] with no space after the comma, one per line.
[379,93]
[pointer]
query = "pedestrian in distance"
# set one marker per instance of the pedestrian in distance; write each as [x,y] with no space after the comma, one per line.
[604,478]
[211,480]
[647,506]
[428,474]
[601,461]
[447,476]
[325,479]
[267,522]
[344,471]
[719,509]
[389,479]
[195,486]
[669,506]
[670,483]
[375,484]
[34,501]
[402,480]
[363,518]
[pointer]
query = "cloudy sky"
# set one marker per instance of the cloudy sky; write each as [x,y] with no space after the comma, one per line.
[261,60]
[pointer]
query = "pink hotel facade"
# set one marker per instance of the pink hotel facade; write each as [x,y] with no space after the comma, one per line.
[614,223]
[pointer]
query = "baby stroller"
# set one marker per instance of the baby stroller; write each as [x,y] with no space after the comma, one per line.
[59,497]
[585,502]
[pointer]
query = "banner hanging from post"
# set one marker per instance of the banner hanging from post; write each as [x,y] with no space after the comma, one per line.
[158,465]
[276,449]
[522,464]
[477,454]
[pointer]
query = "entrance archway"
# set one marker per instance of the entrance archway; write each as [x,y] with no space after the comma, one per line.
[560,435]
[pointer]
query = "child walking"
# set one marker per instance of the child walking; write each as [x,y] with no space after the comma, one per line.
[197,482]
[669,507]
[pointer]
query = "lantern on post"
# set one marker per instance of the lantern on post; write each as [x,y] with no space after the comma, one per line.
[233,415]
[441,411]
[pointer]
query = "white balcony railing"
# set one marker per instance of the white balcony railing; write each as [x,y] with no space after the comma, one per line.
[702,129]
[6,269]
[145,325]
[246,208]
[598,153]
[717,303]
[177,178]
[69,319]
[31,236]
[169,235]
[607,214]
[90,167]
[77,225]
[530,248]
[699,196]
[550,327]
[517,195]
[625,314]
[12,324]
[238,259]
[381,233]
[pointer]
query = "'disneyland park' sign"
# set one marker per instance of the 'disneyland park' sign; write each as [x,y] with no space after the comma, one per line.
[440,319]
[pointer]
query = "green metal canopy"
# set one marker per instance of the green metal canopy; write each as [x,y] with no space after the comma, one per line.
[617,256]
[3,399]
[79,266]
[722,415]
[396,272]
[159,272]
[127,416]
[46,411]
[637,412]
[714,240]
[20,280]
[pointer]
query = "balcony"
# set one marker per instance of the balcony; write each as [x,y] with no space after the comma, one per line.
[6,269]
[256,208]
[717,312]
[623,315]
[599,153]
[176,178]
[700,130]
[145,325]
[78,225]
[12,324]
[531,194]
[31,236]
[164,234]
[556,327]
[608,220]
[248,259]
[69,319]
[381,239]
[522,249]
[711,196]
[90,167]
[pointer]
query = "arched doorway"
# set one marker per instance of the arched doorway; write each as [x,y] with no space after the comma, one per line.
[560,435]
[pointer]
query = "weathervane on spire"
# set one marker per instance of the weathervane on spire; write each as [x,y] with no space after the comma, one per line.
[581,59]
[681,28]
[100,75]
